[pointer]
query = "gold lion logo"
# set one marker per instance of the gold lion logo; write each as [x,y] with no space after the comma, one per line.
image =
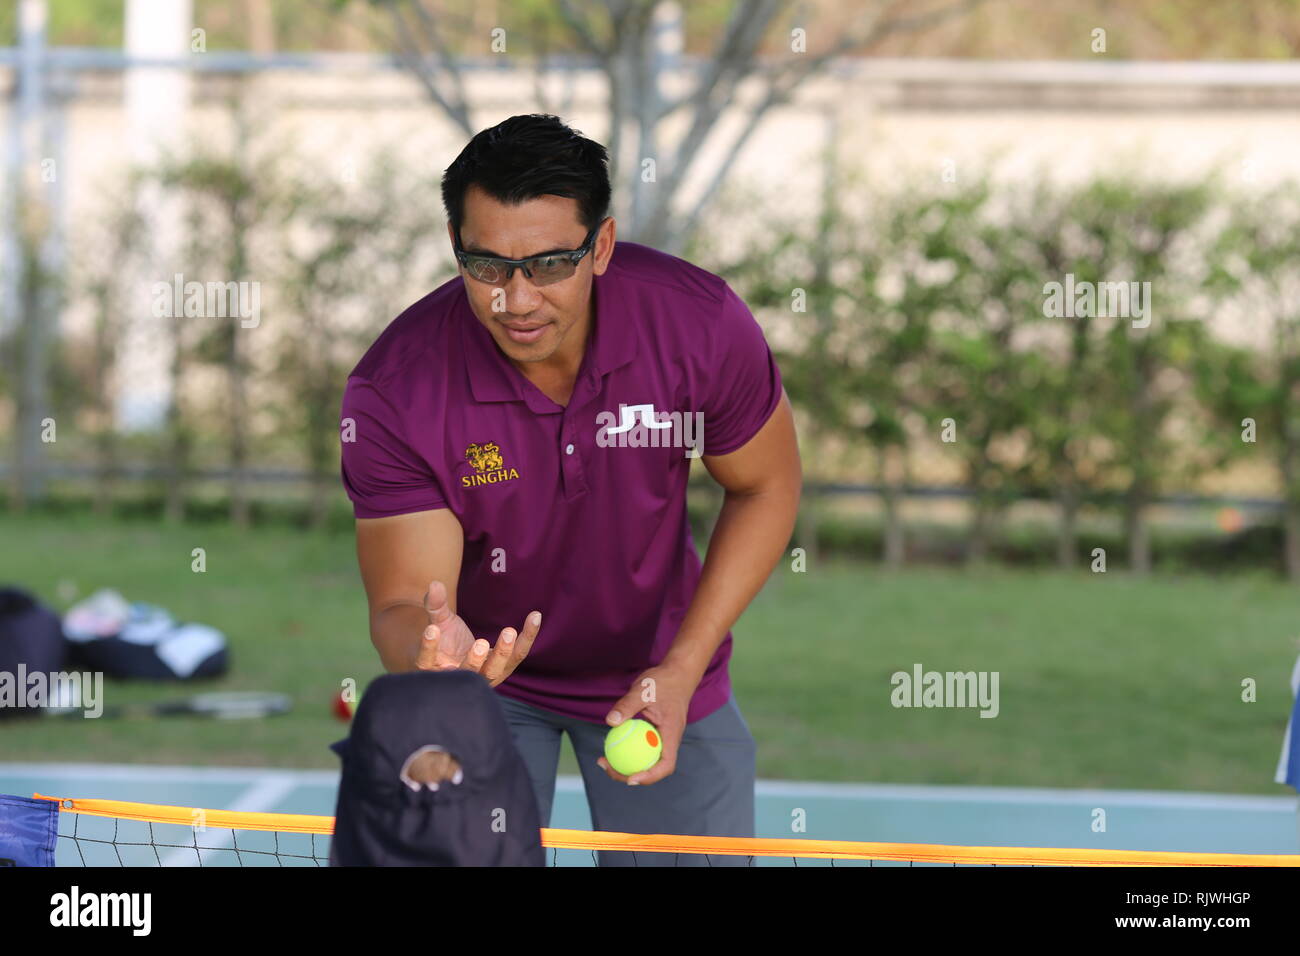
[485,457]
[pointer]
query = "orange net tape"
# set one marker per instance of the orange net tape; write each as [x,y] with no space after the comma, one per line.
[725,846]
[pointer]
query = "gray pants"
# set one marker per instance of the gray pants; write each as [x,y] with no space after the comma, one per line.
[711,793]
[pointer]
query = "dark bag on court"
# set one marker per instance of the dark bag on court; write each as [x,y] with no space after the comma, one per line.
[31,642]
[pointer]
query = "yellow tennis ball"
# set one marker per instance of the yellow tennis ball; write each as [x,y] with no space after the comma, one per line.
[633,746]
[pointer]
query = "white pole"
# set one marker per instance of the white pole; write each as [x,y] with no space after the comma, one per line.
[32,305]
[157,105]
[24,142]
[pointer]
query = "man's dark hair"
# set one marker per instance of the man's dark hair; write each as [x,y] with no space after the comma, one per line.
[525,157]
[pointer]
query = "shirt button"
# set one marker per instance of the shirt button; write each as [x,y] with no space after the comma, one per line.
[568,449]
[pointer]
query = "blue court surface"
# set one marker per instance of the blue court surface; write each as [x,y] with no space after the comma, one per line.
[983,816]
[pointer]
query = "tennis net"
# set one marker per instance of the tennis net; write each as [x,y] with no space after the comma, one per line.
[117,833]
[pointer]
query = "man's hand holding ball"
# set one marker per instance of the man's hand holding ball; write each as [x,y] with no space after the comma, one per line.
[644,750]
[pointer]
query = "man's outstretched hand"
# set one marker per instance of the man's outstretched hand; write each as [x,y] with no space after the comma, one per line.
[449,644]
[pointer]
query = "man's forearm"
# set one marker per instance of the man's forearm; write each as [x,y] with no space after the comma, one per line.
[750,536]
[396,632]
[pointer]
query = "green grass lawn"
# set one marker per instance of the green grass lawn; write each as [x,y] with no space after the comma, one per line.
[1104,680]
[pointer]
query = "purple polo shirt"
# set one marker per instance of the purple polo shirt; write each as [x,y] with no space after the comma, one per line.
[563,513]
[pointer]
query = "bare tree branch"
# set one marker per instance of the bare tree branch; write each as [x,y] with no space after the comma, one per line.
[622,36]
[446,55]
[541,70]
[621,74]
[581,28]
[783,81]
[541,66]
[643,57]
[729,53]
[921,21]
[416,62]
[735,60]
[871,35]
[692,219]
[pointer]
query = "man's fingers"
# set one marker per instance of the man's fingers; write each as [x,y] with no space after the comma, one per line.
[426,659]
[662,769]
[477,655]
[468,659]
[495,663]
[524,643]
[511,648]
[630,705]
[610,771]
[656,773]
[498,666]
[435,602]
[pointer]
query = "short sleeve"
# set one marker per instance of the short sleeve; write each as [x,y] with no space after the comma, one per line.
[743,383]
[382,474]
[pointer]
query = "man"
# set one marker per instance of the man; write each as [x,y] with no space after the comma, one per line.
[517,446]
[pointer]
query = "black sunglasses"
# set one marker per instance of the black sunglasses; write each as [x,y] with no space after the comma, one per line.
[541,270]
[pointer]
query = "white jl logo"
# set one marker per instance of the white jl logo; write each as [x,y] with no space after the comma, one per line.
[630,413]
